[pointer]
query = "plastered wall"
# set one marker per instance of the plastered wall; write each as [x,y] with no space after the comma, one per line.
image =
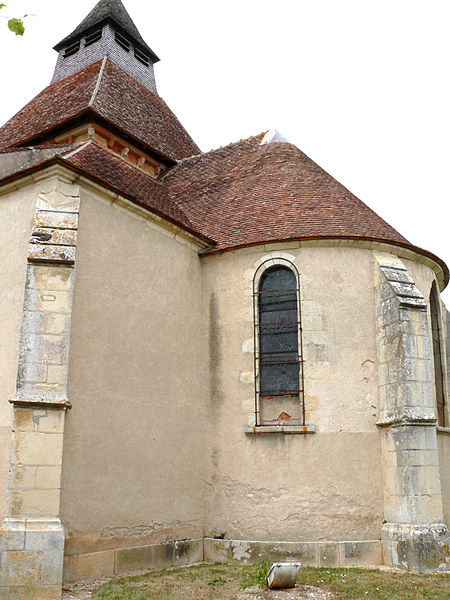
[132,462]
[321,486]
[16,218]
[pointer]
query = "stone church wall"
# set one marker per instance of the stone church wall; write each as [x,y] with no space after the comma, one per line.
[132,462]
[320,487]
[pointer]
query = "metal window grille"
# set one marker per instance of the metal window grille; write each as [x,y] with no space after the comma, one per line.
[437,357]
[278,355]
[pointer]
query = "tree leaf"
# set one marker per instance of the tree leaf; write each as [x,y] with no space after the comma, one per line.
[16,26]
[2,5]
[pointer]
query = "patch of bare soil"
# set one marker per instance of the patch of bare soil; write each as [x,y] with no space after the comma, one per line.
[81,591]
[300,592]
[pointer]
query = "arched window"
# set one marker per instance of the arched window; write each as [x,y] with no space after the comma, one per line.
[438,365]
[279,375]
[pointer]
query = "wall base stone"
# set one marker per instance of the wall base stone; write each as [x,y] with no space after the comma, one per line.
[318,554]
[416,547]
[31,558]
[125,560]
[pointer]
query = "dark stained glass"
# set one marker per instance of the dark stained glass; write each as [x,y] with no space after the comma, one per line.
[279,366]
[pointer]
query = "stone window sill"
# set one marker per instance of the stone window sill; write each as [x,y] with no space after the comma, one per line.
[443,429]
[285,429]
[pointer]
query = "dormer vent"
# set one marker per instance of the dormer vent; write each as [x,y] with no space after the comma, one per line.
[141,57]
[122,41]
[93,37]
[72,49]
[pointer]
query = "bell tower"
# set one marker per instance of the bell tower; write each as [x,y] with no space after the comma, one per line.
[108,30]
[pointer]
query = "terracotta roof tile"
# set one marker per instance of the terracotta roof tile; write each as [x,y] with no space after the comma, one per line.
[114,173]
[119,99]
[55,105]
[246,193]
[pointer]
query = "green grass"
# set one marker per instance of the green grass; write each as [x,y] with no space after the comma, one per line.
[372,584]
[225,581]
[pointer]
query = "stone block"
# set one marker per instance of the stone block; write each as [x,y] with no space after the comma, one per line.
[187,552]
[20,568]
[51,542]
[57,201]
[32,322]
[157,556]
[36,277]
[60,279]
[31,372]
[48,301]
[428,479]
[12,535]
[48,477]
[23,419]
[23,477]
[63,237]
[41,592]
[81,567]
[65,254]
[52,421]
[312,322]
[34,502]
[428,509]
[54,324]
[360,554]
[56,220]
[257,551]
[35,448]
[328,553]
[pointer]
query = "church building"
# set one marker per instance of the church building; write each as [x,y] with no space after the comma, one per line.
[204,356]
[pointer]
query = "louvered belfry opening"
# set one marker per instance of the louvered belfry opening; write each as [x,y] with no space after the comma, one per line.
[438,369]
[278,349]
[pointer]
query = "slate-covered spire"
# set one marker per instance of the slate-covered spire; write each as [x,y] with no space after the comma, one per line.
[108,30]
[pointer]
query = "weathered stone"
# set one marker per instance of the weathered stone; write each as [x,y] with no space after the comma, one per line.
[89,566]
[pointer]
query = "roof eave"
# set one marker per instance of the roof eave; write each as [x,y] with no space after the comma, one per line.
[58,160]
[75,119]
[73,38]
[219,250]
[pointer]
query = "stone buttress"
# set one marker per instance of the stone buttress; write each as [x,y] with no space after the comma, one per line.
[32,535]
[414,535]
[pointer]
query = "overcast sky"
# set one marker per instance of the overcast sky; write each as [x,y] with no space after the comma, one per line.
[361,86]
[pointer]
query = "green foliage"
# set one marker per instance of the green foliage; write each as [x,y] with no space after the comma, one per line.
[16,26]
[255,575]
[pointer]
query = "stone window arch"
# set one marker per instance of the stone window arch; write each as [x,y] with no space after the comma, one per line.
[436,338]
[279,397]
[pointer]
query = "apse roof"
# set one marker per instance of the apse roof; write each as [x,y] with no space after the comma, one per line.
[107,92]
[105,10]
[240,195]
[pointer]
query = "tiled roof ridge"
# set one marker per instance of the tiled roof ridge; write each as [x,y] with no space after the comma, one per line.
[93,90]
[99,81]
[183,161]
